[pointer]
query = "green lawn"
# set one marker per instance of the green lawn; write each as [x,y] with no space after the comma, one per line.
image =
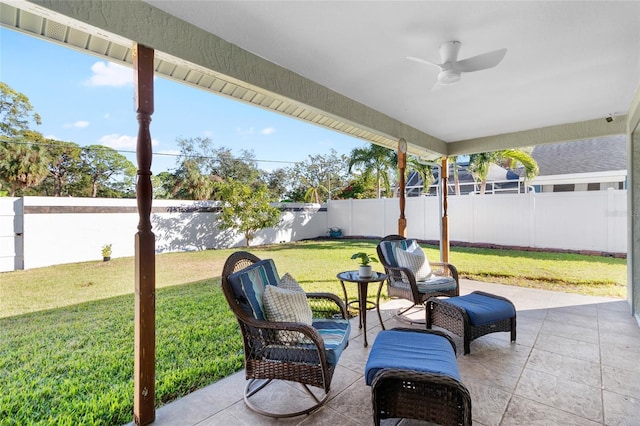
[66,332]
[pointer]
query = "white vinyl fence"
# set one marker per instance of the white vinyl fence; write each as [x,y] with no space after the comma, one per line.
[42,231]
[594,221]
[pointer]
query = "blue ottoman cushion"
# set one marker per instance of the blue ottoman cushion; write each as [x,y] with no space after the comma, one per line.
[417,351]
[483,309]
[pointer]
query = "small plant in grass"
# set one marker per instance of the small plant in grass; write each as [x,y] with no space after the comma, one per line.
[106,252]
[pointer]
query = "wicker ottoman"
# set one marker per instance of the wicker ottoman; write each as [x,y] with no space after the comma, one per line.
[414,374]
[472,315]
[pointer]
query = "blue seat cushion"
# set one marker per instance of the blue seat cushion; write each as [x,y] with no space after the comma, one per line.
[249,283]
[483,309]
[335,335]
[414,351]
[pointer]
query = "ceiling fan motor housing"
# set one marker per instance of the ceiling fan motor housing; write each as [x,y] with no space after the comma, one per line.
[448,77]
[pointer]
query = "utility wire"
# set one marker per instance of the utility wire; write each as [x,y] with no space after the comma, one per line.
[165,154]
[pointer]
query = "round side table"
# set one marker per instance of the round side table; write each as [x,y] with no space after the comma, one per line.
[362,302]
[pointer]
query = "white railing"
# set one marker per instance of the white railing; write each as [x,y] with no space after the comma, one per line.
[492,187]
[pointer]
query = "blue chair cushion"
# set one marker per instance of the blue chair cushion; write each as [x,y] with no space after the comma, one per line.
[248,286]
[335,334]
[483,309]
[389,248]
[414,351]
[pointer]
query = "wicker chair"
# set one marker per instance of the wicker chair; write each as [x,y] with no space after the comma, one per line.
[288,351]
[403,284]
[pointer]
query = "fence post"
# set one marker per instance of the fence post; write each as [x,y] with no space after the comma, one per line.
[610,218]
[532,219]
[351,216]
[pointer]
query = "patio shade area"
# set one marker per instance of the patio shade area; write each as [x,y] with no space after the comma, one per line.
[574,362]
[344,67]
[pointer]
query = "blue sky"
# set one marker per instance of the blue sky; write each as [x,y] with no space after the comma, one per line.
[86,100]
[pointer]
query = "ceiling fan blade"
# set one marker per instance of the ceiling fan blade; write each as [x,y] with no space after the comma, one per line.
[422,61]
[436,87]
[480,62]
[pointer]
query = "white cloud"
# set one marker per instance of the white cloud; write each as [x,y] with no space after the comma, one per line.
[207,134]
[107,116]
[79,124]
[244,132]
[251,131]
[117,141]
[110,74]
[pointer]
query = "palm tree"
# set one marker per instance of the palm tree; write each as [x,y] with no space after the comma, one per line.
[22,165]
[375,160]
[313,194]
[479,164]
[514,157]
[456,181]
[424,170]
[191,183]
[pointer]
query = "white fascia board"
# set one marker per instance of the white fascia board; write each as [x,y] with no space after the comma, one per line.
[576,178]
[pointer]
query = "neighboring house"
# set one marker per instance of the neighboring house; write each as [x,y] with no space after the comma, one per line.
[584,165]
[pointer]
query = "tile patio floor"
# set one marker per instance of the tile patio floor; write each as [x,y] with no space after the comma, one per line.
[576,362]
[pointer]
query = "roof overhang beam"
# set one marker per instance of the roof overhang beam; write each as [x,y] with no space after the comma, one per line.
[544,135]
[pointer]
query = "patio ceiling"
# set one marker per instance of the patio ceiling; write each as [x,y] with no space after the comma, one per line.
[342,64]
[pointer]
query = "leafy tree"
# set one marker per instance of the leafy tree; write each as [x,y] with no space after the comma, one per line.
[211,161]
[246,209]
[22,164]
[377,161]
[358,188]
[200,164]
[243,169]
[16,112]
[296,194]
[101,168]
[163,185]
[315,178]
[277,182]
[479,164]
[199,151]
[64,165]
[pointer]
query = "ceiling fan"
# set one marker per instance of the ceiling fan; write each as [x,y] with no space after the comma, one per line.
[451,68]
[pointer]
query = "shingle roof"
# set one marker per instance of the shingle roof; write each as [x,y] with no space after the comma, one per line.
[583,156]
